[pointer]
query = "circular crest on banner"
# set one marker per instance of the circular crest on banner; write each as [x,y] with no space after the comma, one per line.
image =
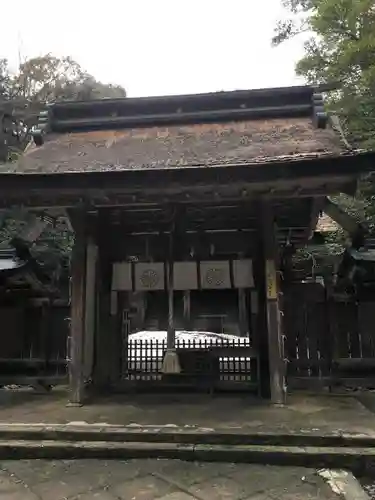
[149,278]
[215,276]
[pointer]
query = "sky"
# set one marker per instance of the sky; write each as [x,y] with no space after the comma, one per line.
[157,47]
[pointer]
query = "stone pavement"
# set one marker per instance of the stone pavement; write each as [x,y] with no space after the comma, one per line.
[157,479]
[325,414]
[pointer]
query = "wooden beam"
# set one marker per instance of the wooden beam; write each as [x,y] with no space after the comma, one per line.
[300,166]
[356,231]
[342,218]
[274,331]
[78,307]
[109,191]
[64,199]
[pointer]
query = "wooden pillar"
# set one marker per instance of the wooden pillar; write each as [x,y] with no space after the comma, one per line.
[254,312]
[90,303]
[242,313]
[108,339]
[259,313]
[171,333]
[273,323]
[187,309]
[45,333]
[171,364]
[78,308]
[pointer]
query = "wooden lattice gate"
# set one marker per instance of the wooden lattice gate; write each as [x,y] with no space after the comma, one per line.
[307,344]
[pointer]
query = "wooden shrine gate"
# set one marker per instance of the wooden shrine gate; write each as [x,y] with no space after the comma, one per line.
[328,342]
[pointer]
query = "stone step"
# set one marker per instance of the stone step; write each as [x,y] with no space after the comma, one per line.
[358,460]
[80,431]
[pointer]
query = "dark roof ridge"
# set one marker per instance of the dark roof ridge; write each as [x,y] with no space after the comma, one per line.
[297,101]
[222,94]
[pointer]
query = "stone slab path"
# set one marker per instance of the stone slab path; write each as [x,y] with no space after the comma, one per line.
[321,415]
[157,479]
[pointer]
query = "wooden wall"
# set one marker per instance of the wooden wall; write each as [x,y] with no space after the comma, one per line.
[323,333]
[318,333]
[34,332]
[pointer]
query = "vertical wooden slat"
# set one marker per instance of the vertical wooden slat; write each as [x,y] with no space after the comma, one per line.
[354,336]
[125,331]
[291,315]
[312,299]
[333,311]
[45,310]
[313,325]
[342,317]
[326,340]
[302,340]
[366,315]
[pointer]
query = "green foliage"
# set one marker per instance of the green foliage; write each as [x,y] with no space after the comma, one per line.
[23,94]
[5,77]
[53,248]
[42,80]
[49,78]
[341,49]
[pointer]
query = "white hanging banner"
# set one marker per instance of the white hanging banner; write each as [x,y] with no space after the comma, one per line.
[243,273]
[215,274]
[149,276]
[185,276]
[122,276]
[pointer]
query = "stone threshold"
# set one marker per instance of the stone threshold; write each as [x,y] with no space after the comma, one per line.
[357,460]
[231,436]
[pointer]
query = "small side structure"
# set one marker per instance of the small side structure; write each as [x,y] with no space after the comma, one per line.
[329,309]
[32,342]
[233,179]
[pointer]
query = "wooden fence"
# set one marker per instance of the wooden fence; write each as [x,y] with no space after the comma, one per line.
[33,342]
[328,342]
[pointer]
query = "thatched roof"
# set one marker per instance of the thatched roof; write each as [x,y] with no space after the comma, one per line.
[246,127]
